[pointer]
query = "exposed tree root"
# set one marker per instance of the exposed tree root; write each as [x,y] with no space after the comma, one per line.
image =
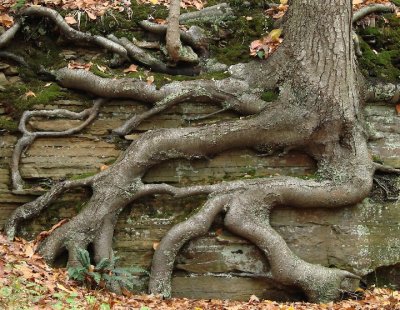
[212,95]
[143,57]
[373,8]
[231,92]
[363,12]
[33,208]
[8,35]
[72,34]
[173,40]
[248,216]
[13,57]
[318,111]
[386,169]
[379,92]
[122,47]
[164,256]
[195,36]
[28,137]
[217,12]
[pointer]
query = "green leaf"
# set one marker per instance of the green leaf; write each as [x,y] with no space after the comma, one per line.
[105,307]
[5,291]
[261,54]
[90,299]
[103,264]
[96,276]
[77,273]
[84,258]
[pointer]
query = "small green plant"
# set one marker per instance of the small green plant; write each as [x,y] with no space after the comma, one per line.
[104,273]
[19,4]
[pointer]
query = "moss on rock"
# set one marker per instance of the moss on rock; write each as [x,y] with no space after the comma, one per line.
[381,49]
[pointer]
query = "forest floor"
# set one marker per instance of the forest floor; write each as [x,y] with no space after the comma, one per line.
[27,282]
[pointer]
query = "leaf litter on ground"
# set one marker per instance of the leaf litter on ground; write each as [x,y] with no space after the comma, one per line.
[27,282]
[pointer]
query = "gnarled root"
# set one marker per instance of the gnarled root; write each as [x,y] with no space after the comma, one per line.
[373,8]
[249,204]
[8,35]
[72,34]
[248,216]
[28,137]
[165,254]
[33,208]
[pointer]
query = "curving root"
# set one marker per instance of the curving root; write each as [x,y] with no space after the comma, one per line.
[373,8]
[72,34]
[28,137]
[8,35]
[213,95]
[166,252]
[33,208]
[248,205]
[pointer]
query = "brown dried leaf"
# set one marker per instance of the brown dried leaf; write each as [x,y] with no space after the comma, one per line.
[150,80]
[29,251]
[398,109]
[77,65]
[91,15]
[70,20]
[29,94]
[103,167]
[6,20]
[131,68]
[155,245]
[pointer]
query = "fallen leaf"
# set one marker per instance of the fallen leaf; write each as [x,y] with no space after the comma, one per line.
[131,68]
[91,15]
[77,65]
[70,20]
[398,109]
[284,2]
[29,94]
[103,167]
[355,2]
[160,21]
[254,298]
[29,251]
[150,80]
[275,34]
[155,245]
[6,20]
[25,271]
[48,84]
[42,235]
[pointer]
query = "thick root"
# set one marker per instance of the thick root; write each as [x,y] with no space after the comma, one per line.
[248,216]
[165,254]
[28,137]
[33,208]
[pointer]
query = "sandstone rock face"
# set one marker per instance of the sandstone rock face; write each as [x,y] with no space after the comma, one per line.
[360,238]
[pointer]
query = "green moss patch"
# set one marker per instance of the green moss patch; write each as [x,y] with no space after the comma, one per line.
[270,95]
[381,49]
[8,124]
